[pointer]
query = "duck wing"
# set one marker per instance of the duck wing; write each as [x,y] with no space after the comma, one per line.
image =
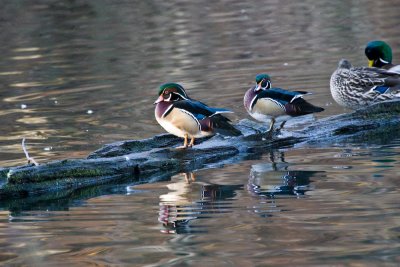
[292,101]
[199,109]
[210,119]
[366,79]
[281,95]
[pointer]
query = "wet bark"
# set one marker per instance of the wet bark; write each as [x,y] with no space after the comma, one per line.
[156,157]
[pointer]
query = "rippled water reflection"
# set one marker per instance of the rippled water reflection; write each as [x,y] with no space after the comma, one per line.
[293,210]
[77,74]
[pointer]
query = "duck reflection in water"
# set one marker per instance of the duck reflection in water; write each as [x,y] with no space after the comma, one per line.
[175,211]
[271,181]
[290,183]
[183,204]
[274,179]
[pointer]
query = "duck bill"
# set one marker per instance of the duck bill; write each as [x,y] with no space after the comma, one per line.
[370,63]
[159,99]
[258,87]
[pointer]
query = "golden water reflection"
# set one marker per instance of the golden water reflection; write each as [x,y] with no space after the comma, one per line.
[283,206]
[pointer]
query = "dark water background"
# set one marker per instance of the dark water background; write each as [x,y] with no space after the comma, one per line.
[75,75]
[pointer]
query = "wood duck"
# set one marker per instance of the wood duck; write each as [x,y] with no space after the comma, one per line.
[355,87]
[184,117]
[379,55]
[265,103]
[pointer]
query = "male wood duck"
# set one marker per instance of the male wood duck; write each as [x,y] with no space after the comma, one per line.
[265,103]
[379,55]
[187,118]
[355,87]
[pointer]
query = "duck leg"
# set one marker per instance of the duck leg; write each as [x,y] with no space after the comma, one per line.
[189,177]
[271,127]
[191,141]
[278,131]
[185,142]
[281,126]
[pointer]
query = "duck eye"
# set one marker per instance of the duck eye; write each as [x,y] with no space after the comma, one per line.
[264,83]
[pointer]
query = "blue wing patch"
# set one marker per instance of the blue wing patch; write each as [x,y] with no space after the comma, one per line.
[382,89]
[199,116]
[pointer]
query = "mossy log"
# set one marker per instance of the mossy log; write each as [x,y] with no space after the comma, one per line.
[155,157]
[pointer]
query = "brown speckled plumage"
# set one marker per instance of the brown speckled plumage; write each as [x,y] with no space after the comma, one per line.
[355,87]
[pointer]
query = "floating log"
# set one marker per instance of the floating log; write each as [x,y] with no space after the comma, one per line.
[155,157]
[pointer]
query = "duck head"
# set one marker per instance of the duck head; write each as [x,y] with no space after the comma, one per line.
[170,92]
[378,53]
[263,82]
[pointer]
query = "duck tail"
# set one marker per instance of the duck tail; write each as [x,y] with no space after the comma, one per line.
[301,107]
[221,125]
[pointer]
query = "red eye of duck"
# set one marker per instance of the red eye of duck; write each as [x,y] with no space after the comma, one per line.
[265,83]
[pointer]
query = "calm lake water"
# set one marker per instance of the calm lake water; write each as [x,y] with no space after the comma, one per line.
[75,75]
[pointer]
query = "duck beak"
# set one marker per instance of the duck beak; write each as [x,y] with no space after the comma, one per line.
[159,99]
[258,87]
[370,63]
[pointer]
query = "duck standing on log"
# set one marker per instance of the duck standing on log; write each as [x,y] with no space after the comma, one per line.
[187,118]
[357,87]
[264,103]
[379,55]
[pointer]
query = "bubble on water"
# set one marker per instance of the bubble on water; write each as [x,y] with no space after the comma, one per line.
[285,64]
[48,148]
[89,111]
[23,106]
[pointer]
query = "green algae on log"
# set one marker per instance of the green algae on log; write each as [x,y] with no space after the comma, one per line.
[142,159]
